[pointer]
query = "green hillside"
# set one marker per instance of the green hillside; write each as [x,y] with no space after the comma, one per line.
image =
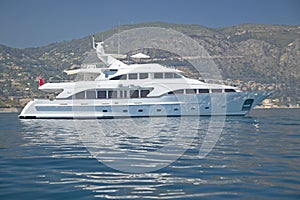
[253,56]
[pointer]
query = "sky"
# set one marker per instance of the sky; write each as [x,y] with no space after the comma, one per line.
[34,23]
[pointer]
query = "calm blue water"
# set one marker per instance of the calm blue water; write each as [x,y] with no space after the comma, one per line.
[257,156]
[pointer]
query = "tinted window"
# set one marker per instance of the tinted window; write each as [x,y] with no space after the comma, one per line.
[101,94]
[144,93]
[230,90]
[80,95]
[134,93]
[121,77]
[158,75]
[189,91]
[216,90]
[112,94]
[143,75]
[132,76]
[178,92]
[203,90]
[177,76]
[169,75]
[91,94]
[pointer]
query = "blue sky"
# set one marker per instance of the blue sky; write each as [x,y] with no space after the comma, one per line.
[31,23]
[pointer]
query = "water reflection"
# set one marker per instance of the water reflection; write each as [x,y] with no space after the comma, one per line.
[138,145]
[186,177]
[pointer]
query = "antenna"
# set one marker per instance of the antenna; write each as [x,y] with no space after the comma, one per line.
[119,38]
[93,38]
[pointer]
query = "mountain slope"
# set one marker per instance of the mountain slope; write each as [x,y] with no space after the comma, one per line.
[250,55]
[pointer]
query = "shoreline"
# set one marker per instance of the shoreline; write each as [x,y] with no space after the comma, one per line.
[286,107]
[10,110]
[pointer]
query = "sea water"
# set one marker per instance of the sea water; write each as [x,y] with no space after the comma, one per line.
[255,156]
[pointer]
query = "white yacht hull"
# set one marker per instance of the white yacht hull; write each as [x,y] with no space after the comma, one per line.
[236,103]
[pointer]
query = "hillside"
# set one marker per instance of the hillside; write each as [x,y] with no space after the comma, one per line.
[256,57]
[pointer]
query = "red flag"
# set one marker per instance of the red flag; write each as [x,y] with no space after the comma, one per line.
[41,81]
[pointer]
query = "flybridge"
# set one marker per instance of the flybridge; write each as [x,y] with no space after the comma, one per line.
[107,59]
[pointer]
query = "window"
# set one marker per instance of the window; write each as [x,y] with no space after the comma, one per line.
[112,94]
[203,91]
[121,77]
[158,75]
[177,76]
[144,93]
[134,94]
[143,75]
[101,94]
[216,90]
[178,92]
[91,94]
[110,72]
[132,76]
[190,91]
[230,90]
[80,95]
[169,75]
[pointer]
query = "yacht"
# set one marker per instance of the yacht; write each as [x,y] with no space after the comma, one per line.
[137,90]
